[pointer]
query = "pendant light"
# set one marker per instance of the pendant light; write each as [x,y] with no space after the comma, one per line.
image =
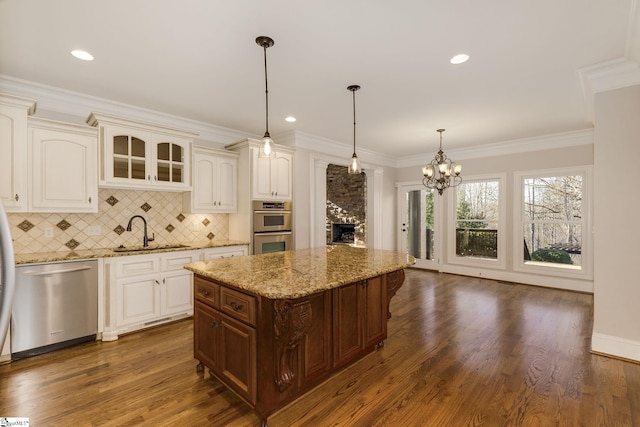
[266,145]
[354,165]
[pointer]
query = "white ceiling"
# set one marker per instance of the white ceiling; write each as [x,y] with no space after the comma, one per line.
[198,59]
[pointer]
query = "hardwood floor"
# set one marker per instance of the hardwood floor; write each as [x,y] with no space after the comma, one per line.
[461,352]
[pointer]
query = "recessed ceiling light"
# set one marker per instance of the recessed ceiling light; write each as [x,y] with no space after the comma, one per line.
[82,54]
[459,59]
[290,119]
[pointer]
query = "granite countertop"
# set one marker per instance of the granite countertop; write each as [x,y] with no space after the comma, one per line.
[39,257]
[294,274]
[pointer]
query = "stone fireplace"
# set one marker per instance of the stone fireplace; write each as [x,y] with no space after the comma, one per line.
[343,233]
[346,220]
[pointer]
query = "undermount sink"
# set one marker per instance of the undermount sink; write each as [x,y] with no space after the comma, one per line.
[148,248]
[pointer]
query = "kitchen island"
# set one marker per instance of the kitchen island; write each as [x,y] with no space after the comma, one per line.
[272,327]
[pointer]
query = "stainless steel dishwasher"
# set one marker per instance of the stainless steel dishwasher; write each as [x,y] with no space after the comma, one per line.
[55,306]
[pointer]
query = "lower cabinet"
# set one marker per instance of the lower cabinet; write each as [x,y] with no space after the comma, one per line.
[359,318]
[143,290]
[224,252]
[226,344]
[147,289]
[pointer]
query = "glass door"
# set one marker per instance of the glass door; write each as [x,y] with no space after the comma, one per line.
[419,232]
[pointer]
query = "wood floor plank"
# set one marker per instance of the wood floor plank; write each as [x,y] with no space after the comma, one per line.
[461,352]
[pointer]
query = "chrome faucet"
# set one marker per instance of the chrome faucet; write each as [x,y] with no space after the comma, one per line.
[145,239]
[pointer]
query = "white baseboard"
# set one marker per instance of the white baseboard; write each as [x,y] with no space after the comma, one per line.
[615,346]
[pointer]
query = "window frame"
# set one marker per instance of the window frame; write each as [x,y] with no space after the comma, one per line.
[586,268]
[500,262]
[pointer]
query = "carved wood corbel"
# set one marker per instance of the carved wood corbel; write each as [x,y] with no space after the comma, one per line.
[291,323]
[395,279]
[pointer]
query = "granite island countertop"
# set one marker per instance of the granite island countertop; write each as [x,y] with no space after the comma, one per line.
[297,273]
[41,257]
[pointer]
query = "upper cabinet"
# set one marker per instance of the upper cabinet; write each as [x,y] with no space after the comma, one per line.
[139,155]
[270,178]
[215,182]
[63,161]
[13,151]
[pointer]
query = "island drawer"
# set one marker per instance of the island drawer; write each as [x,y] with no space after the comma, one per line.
[238,305]
[207,292]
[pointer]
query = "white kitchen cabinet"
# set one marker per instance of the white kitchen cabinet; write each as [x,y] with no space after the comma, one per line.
[13,151]
[215,182]
[138,155]
[63,164]
[259,179]
[224,252]
[271,176]
[148,289]
[269,179]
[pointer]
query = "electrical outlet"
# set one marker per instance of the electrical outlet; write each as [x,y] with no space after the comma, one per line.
[94,230]
[48,232]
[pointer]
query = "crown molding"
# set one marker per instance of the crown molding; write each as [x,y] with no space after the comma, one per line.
[605,76]
[80,105]
[319,144]
[516,146]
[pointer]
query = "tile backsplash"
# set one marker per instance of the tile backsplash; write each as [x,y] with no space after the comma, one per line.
[36,232]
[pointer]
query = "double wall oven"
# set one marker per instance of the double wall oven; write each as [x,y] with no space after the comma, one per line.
[272,226]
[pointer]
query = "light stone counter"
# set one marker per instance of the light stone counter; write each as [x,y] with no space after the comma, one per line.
[294,274]
[40,257]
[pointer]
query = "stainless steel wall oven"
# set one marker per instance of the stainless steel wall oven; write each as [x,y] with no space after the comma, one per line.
[272,226]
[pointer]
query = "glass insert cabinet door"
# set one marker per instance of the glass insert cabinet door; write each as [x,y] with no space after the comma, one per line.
[170,162]
[419,235]
[129,157]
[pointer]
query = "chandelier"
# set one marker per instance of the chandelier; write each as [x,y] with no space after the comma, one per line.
[441,173]
[354,166]
[266,145]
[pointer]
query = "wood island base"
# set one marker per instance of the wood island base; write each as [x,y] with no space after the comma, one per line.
[272,351]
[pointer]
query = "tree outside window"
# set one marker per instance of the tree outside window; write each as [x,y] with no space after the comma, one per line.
[552,219]
[477,215]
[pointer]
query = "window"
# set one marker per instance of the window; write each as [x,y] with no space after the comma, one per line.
[553,213]
[478,238]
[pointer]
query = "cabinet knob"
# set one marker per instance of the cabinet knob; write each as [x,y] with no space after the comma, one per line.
[155,280]
[149,177]
[17,197]
[235,306]
[89,199]
[205,293]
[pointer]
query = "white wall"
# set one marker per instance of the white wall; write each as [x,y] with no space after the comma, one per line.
[616,328]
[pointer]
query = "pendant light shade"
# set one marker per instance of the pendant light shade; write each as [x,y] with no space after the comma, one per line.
[354,165]
[266,145]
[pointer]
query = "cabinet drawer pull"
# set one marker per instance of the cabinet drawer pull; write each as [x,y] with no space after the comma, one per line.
[204,293]
[17,197]
[215,325]
[89,199]
[235,306]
